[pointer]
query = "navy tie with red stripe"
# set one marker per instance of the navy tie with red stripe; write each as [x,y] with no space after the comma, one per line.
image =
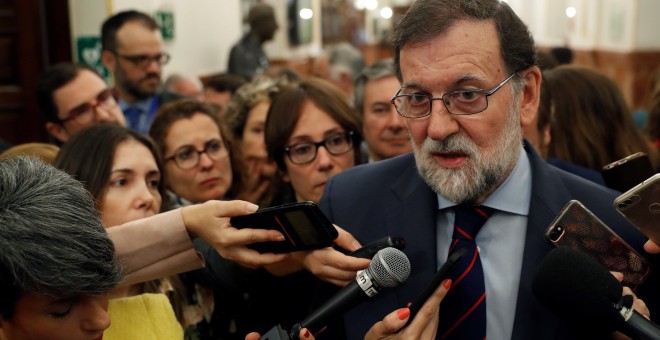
[463,310]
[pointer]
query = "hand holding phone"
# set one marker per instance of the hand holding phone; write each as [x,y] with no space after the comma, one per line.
[627,172]
[578,228]
[303,225]
[641,206]
[440,276]
[368,251]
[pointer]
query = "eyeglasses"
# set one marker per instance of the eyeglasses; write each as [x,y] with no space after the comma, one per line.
[187,157]
[85,113]
[143,60]
[336,144]
[459,102]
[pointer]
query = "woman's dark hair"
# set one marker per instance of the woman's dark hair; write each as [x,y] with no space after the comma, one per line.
[171,113]
[287,107]
[88,156]
[590,123]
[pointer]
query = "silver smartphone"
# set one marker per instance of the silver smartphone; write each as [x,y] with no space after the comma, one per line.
[641,206]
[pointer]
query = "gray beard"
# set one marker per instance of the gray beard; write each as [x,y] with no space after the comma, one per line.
[483,170]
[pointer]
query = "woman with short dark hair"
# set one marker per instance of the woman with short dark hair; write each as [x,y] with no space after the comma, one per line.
[312,133]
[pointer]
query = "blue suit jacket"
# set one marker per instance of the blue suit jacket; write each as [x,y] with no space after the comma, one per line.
[390,198]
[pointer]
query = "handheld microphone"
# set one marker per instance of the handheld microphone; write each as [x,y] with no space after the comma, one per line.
[576,286]
[388,268]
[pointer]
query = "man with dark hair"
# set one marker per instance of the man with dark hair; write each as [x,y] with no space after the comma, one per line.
[468,84]
[219,89]
[72,97]
[384,130]
[247,58]
[133,52]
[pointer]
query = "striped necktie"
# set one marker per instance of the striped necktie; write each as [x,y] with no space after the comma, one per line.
[463,310]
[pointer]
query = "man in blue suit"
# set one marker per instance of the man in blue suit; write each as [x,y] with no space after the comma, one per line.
[469,84]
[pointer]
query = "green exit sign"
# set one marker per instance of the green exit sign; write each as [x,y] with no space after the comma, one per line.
[165,20]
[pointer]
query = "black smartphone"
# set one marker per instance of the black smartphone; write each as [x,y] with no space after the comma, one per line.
[641,206]
[440,276]
[303,225]
[578,228]
[371,249]
[627,172]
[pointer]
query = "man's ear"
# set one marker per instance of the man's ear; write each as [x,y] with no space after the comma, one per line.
[58,131]
[530,95]
[109,60]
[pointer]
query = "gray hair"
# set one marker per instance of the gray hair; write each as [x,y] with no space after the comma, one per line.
[380,69]
[344,58]
[174,79]
[259,90]
[427,19]
[52,239]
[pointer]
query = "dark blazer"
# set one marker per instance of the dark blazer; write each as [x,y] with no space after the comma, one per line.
[390,198]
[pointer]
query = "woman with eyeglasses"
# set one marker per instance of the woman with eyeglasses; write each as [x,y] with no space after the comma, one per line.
[312,134]
[197,166]
[196,169]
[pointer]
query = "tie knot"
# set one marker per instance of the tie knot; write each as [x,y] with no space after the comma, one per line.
[469,220]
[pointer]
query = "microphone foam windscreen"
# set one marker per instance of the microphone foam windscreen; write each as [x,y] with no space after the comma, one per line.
[574,285]
[389,267]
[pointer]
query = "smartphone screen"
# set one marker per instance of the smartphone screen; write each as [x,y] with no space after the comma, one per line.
[578,228]
[303,225]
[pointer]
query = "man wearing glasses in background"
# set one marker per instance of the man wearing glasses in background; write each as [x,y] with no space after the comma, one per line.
[72,97]
[133,53]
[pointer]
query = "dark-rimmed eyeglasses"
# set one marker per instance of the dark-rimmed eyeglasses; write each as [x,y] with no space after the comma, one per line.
[143,60]
[85,113]
[336,144]
[459,102]
[187,157]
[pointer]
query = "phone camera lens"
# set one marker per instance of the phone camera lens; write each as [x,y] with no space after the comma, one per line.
[556,233]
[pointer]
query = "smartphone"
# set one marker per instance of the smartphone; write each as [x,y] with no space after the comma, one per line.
[303,225]
[371,249]
[578,228]
[627,172]
[440,276]
[641,206]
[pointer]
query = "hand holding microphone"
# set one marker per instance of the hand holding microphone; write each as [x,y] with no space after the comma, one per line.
[577,287]
[388,269]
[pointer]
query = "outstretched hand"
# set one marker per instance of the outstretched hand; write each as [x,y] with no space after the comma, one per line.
[328,264]
[210,221]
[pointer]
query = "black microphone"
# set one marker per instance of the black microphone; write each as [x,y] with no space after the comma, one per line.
[388,268]
[576,286]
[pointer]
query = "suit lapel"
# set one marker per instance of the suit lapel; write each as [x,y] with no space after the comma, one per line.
[413,217]
[549,195]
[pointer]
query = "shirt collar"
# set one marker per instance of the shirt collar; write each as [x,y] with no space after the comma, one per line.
[143,105]
[513,195]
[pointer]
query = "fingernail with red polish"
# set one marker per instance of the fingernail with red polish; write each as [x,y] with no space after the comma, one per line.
[403,313]
[306,333]
[447,283]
